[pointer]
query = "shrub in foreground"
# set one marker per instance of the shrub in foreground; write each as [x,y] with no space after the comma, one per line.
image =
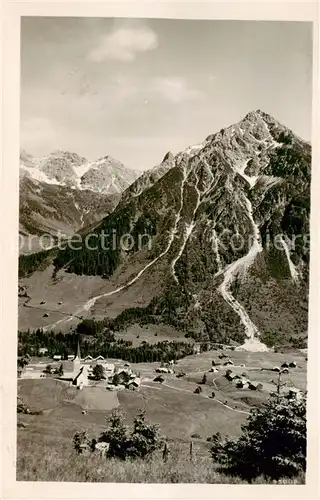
[272,443]
[140,442]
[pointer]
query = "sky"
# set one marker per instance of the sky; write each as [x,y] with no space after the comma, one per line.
[136,89]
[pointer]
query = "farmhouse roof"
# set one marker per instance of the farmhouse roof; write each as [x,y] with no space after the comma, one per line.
[124,370]
[255,385]
[229,362]
[99,358]
[136,381]
[83,371]
[244,383]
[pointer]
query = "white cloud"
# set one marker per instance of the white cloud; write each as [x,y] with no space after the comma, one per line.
[174,89]
[124,43]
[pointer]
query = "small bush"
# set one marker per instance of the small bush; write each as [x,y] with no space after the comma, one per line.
[142,441]
[22,362]
[81,442]
[272,444]
[98,372]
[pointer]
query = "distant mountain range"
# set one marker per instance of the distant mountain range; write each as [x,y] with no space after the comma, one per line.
[105,175]
[63,192]
[53,209]
[226,220]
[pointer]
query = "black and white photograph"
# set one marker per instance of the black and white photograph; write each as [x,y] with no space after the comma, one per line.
[164,250]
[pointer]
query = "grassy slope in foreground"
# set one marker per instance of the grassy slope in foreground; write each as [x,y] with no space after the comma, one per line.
[45,443]
[37,463]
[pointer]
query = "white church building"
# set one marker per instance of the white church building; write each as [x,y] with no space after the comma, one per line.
[80,369]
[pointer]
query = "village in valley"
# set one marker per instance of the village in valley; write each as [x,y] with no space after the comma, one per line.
[202,385]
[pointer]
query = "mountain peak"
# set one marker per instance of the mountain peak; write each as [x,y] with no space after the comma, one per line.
[254,114]
[258,114]
[107,158]
[68,156]
[24,156]
[168,156]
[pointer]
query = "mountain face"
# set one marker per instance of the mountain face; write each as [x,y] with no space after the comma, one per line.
[105,176]
[64,193]
[150,177]
[218,240]
[52,209]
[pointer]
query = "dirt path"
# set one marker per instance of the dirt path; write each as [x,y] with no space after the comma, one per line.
[214,383]
[151,387]
[207,397]
[44,309]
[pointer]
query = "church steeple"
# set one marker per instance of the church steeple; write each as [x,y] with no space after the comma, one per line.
[77,360]
[78,355]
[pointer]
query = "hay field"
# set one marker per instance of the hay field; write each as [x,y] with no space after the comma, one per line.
[173,405]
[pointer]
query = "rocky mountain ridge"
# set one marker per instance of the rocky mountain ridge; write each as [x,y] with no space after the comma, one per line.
[54,210]
[225,225]
[105,175]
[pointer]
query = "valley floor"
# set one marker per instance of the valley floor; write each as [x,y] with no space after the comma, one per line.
[182,415]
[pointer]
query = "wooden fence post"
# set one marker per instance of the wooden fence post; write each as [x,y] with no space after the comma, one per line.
[165,452]
[191,450]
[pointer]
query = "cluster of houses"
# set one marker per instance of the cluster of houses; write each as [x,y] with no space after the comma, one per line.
[116,378]
[124,378]
[166,368]
[228,362]
[242,382]
[284,367]
[80,372]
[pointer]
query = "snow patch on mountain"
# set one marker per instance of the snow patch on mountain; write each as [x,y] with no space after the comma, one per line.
[251,180]
[294,273]
[240,267]
[36,175]
[105,175]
